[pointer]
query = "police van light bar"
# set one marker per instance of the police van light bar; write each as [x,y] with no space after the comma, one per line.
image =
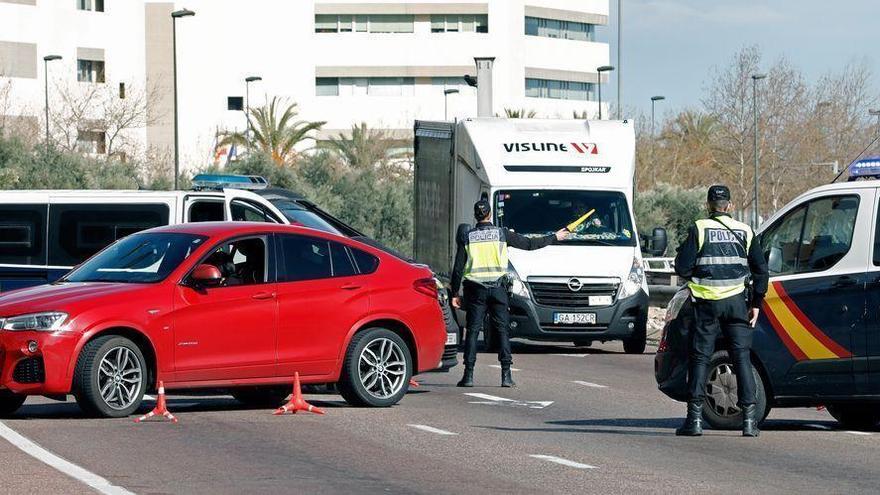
[218,182]
[866,168]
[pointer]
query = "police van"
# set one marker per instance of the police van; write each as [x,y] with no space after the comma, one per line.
[817,341]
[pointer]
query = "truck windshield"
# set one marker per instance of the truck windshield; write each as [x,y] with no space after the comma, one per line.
[604,215]
[138,258]
[297,213]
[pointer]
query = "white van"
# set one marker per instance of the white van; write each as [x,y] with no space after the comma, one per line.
[540,176]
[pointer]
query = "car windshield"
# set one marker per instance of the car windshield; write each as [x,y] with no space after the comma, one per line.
[138,258]
[604,215]
[297,213]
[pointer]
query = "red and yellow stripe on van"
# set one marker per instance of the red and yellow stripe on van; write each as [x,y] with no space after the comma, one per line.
[802,338]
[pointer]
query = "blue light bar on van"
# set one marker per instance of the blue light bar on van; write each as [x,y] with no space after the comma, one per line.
[866,168]
[203,182]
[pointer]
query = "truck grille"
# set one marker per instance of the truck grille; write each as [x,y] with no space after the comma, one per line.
[559,295]
[30,370]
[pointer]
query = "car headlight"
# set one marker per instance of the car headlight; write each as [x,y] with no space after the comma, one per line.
[517,286]
[675,305]
[52,321]
[634,281]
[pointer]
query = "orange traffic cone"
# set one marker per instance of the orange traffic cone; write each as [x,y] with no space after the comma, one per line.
[413,383]
[161,408]
[297,403]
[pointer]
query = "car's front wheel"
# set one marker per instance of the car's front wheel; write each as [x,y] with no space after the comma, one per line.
[10,402]
[376,370]
[856,416]
[720,408]
[111,377]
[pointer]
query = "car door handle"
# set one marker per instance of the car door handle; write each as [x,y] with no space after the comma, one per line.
[351,287]
[263,295]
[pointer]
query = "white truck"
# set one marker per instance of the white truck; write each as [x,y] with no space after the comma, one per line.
[540,176]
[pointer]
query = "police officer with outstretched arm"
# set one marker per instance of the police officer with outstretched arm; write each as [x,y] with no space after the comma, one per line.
[718,259]
[481,261]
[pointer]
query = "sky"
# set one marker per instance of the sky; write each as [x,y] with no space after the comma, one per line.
[670,46]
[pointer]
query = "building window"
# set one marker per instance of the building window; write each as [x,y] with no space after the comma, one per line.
[235,103]
[90,71]
[444,83]
[92,5]
[390,86]
[365,86]
[327,86]
[559,90]
[459,23]
[552,28]
[378,23]
[91,142]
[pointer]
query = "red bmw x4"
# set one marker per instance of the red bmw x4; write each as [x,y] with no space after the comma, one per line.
[231,305]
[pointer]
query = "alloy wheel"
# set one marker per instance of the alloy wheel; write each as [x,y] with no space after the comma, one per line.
[382,368]
[120,378]
[721,390]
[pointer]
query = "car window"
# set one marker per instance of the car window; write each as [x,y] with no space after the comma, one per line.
[77,231]
[877,241]
[23,234]
[813,237]
[342,263]
[206,211]
[366,262]
[243,211]
[241,262]
[305,258]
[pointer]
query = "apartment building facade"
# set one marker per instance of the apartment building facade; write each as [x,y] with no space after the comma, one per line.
[385,63]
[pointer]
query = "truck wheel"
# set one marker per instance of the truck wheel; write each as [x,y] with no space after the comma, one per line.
[720,406]
[635,344]
[376,370]
[110,377]
[857,416]
[10,402]
[262,396]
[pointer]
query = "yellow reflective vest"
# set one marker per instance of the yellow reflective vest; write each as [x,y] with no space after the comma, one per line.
[722,264]
[486,255]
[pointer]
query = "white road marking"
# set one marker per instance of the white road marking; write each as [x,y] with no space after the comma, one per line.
[487,397]
[431,429]
[493,400]
[571,355]
[564,462]
[91,479]
[498,366]
[817,426]
[589,384]
[860,433]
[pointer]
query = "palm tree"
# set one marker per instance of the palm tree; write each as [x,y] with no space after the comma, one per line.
[366,148]
[274,131]
[519,113]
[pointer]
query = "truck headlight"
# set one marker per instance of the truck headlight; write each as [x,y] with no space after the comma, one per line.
[517,286]
[634,281]
[42,322]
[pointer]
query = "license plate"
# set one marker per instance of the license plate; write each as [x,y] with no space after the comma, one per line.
[574,318]
[451,338]
[600,300]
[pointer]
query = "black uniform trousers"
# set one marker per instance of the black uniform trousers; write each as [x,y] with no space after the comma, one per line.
[729,317]
[478,300]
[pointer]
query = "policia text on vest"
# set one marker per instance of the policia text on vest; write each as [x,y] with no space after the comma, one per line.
[719,258]
[481,269]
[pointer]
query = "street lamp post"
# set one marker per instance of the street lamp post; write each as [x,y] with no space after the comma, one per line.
[600,70]
[755,204]
[654,99]
[619,58]
[446,93]
[177,14]
[876,113]
[46,60]
[247,104]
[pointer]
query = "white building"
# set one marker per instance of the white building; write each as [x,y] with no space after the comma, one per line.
[346,61]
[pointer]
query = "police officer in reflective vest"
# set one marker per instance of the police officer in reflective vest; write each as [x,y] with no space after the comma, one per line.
[718,259]
[481,260]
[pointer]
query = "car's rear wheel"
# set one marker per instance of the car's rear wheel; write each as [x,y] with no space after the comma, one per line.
[856,416]
[269,396]
[110,377]
[376,370]
[720,408]
[10,402]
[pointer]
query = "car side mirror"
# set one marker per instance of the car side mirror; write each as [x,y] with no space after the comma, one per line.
[207,276]
[774,261]
[655,244]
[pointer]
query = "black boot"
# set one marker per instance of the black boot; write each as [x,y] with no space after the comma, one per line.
[507,378]
[468,379]
[693,424]
[750,421]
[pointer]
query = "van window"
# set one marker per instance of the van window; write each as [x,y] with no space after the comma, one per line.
[245,211]
[77,231]
[206,211]
[814,237]
[22,234]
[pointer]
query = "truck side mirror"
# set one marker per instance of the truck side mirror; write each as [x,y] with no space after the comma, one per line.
[655,244]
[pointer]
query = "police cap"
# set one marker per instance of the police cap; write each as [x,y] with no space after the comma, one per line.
[718,193]
[482,209]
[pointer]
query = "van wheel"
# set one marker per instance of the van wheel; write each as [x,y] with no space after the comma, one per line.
[262,396]
[110,377]
[10,402]
[719,408]
[637,343]
[376,370]
[857,416]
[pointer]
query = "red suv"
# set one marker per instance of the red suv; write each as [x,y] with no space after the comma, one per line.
[232,305]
